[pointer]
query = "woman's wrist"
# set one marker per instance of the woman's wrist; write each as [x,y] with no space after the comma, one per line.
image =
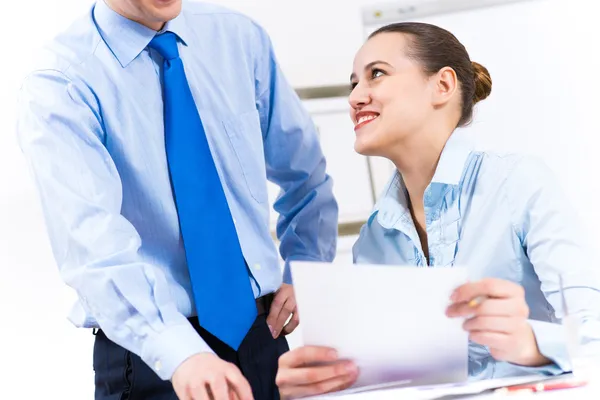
[531,355]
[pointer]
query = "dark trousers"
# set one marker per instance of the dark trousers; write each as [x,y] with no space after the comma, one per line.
[122,375]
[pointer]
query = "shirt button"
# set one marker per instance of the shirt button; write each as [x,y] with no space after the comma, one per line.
[157,365]
[257,267]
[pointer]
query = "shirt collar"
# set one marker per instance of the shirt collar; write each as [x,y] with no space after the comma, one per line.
[126,38]
[452,160]
[392,207]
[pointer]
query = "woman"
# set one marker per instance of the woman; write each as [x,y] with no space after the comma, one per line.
[503,216]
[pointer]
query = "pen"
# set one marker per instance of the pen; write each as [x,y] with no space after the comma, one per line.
[477,301]
[541,387]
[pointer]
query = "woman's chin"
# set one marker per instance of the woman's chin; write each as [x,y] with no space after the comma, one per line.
[366,148]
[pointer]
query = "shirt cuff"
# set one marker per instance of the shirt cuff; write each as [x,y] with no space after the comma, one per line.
[552,343]
[165,351]
[287,273]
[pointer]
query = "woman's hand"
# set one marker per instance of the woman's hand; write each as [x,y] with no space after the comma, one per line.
[311,370]
[497,317]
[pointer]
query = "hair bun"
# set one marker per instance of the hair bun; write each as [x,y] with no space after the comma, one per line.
[483,82]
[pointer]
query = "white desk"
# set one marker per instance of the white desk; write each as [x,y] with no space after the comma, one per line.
[587,392]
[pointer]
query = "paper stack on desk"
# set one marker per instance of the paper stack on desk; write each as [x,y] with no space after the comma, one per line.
[437,392]
[389,319]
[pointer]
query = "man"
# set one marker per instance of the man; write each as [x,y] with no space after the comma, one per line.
[151,127]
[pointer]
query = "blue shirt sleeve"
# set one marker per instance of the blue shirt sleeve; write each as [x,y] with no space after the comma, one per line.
[555,243]
[61,134]
[308,212]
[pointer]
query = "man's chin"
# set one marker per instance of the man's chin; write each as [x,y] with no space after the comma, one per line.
[166,10]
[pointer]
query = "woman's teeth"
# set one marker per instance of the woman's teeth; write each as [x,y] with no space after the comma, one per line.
[366,118]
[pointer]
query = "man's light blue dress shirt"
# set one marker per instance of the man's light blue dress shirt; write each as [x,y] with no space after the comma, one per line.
[502,216]
[91,128]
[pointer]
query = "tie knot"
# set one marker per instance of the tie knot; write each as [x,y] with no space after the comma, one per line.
[166,45]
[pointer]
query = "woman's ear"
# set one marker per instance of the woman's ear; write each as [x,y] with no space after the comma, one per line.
[445,85]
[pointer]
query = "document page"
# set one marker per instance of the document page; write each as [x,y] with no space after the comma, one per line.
[389,319]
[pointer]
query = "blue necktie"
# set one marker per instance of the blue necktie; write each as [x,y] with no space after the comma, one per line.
[219,274]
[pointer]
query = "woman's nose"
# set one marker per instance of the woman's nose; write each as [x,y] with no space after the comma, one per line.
[359,97]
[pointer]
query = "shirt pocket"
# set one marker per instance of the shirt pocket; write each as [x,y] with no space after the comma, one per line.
[245,135]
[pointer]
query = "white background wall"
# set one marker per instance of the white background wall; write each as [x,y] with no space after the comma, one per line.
[543,58]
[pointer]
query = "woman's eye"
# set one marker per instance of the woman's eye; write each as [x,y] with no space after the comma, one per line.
[377,73]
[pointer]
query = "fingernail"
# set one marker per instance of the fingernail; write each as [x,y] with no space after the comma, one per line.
[272,331]
[332,355]
[453,296]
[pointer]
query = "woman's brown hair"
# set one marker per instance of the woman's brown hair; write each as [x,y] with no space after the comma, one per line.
[435,48]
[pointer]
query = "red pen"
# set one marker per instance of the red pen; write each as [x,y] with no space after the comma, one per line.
[542,386]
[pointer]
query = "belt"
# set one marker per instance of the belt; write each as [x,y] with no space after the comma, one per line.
[263,303]
[263,306]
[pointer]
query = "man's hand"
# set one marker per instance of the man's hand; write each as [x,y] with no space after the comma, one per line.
[284,305]
[205,376]
[312,370]
[497,313]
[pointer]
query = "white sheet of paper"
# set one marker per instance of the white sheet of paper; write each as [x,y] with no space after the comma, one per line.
[389,319]
[385,392]
[433,391]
